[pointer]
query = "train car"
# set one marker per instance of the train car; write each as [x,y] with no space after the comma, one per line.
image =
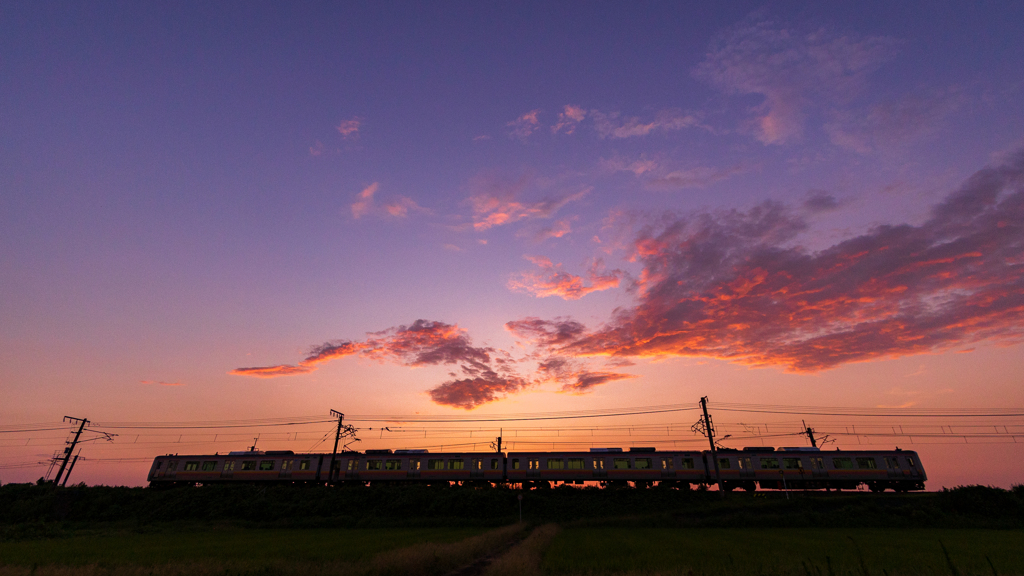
[241,466]
[412,466]
[810,468]
[641,467]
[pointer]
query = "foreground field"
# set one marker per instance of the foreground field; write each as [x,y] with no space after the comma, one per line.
[716,551]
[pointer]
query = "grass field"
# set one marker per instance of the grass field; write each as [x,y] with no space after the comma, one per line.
[740,552]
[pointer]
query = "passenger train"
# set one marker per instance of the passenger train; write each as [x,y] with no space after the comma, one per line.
[746,469]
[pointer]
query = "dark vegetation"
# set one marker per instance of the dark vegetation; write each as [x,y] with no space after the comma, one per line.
[28,511]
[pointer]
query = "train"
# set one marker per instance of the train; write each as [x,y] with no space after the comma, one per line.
[764,468]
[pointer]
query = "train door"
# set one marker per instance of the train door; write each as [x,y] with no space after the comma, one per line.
[746,467]
[892,466]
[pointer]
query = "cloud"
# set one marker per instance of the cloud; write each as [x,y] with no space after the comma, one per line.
[791,70]
[638,167]
[697,177]
[733,286]
[161,383]
[487,374]
[573,376]
[362,206]
[890,123]
[492,209]
[317,149]
[349,128]
[610,125]
[569,119]
[820,201]
[523,126]
[556,230]
[553,281]
[401,206]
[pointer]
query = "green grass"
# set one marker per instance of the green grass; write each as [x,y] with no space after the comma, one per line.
[797,551]
[228,544]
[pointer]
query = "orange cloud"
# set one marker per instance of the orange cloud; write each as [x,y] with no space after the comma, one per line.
[490,210]
[272,371]
[401,206]
[552,281]
[733,286]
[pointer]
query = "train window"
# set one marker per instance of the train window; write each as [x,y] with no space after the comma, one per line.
[393,465]
[621,463]
[336,466]
[724,463]
[515,463]
[866,463]
[190,466]
[910,461]
[456,464]
[494,463]
[478,464]
[769,463]
[642,463]
[172,466]
[818,463]
[229,465]
[209,466]
[598,464]
[842,463]
[576,463]
[304,465]
[532,463]
[159,463]
[792,464]
[892,462]
[353,464]
[666,463]
[745,463]
[373,464]
[556,464]
[686,463]
[437,464]
[414,464]
[248,464]
[267,465]
[285,465]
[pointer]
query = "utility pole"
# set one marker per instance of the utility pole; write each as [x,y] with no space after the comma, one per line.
[334,453]
[70,468]
[810,434]
[711,438]
[499,442]
[68,450]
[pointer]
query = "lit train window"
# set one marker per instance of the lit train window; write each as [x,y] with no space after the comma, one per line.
[373,464]
[248,464]
[842,463]
[866,463]
[190,466]
[598,464]
[494,463]
[353,464]
[724,464]
[621,463]
[478,464]
[556,464]
[229,465]
[818,463]
[576,463]
[910,461]
[686,463]
[209,466]
[414,464]
[285,465]
[393,465]
[515,463]
[769,463]
[267,465]
[666,463]
[304,465]
[456,464]
[642,463]
[437,464]
[792,464]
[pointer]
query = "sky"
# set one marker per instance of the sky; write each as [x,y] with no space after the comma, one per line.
[242,211]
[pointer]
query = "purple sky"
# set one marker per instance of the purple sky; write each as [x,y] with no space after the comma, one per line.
[247,210]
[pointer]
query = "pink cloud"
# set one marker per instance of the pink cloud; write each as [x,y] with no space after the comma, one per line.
[401,206]
[733,286]
[569,119]
[161,383]
[349,128]
[551,280]
[490,210]
[611,125]
[364,202]
[524,125]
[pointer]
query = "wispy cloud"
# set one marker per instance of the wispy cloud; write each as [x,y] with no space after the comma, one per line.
[696,177]
[492,209]
[161,383]
[733,286]
[791,69]
[613,125]
[316,149]
[820,201]
[401,206]
[568,119]
[524,125]
[573,377]
[349,129]
[551,280]
[364,201]
[894,122]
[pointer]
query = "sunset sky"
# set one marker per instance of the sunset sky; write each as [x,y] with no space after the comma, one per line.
[236,211]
